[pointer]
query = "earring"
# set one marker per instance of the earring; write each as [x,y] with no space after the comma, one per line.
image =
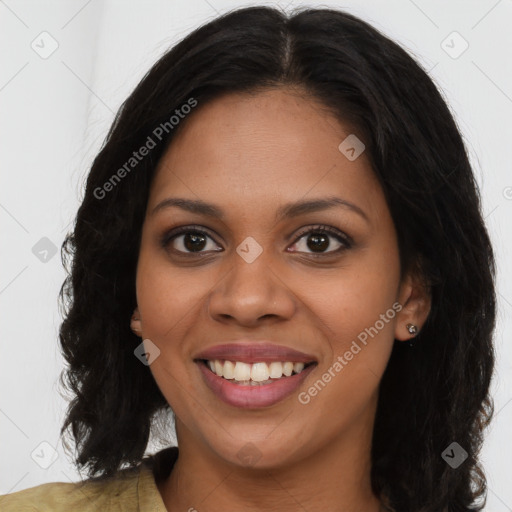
[412,329]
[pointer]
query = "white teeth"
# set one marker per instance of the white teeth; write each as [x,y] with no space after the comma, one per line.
[298,367]
[259,372]
[288,368]
[254,373]
[228,371]
[219,368]
[242,371]
[276,370]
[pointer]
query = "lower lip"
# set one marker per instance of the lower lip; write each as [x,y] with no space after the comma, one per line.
[251,397]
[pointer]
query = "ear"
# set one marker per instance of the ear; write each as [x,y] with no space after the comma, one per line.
[135,322]
[415,299]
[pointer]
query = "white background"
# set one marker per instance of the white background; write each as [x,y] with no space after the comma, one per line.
[56,111]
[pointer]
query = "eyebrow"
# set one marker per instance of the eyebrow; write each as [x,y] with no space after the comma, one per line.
[286,211]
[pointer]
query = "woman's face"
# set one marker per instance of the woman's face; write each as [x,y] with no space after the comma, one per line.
[263,274]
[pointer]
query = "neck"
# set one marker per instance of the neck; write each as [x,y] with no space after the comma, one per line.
[333,477]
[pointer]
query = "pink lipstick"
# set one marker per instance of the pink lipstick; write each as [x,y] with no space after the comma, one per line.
[253,375]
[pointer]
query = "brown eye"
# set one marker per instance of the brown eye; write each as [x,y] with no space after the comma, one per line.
[194,241]
[322,240]
[188,240]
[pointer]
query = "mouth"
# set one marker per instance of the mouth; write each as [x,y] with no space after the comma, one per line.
[254,374]
[251,375]
[253,386]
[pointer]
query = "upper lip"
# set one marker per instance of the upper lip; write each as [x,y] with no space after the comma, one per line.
[250,352]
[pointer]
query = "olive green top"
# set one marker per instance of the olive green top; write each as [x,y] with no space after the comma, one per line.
[129,490]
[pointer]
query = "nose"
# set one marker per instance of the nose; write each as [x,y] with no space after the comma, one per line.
[251,293]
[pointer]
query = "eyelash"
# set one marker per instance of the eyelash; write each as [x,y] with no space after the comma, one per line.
[319,229]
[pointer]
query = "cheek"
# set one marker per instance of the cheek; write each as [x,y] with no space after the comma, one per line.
[168,305]
[355,304]
[359,328]
[168,298]
[357,319]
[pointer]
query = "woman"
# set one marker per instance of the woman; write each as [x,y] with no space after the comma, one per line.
[280,242]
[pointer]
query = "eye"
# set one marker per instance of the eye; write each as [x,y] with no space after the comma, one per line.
[195,240]
[189,239]
[318,240]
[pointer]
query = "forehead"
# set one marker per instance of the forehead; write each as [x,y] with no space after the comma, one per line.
[276,144]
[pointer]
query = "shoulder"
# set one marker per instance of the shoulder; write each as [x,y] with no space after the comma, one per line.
[129,490]
[119,492]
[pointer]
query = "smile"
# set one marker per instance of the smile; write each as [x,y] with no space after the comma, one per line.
[254,374]
[246,393]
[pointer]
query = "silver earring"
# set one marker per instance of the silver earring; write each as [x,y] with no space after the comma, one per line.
[412,329]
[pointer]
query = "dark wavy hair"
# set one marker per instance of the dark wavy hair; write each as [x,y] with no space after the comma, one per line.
[432,394]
